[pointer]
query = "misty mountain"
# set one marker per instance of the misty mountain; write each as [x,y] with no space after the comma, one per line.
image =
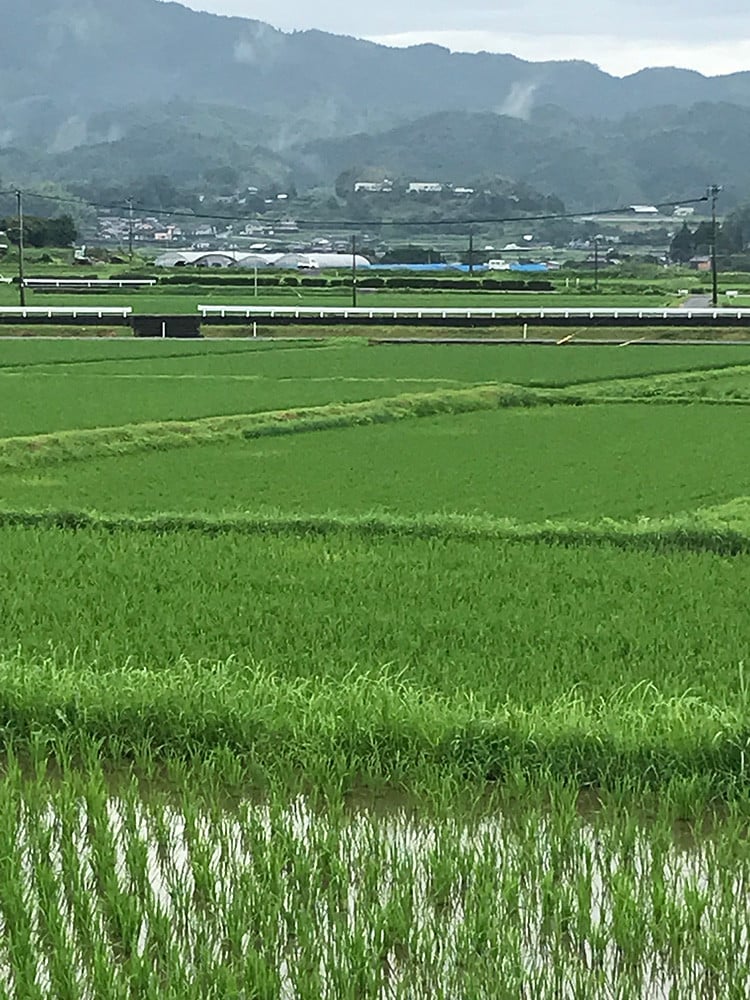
[175,140]
[64,60]
[661,154]
[106,90]
[658,155]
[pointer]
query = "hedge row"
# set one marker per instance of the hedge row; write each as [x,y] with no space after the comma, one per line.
[369,281]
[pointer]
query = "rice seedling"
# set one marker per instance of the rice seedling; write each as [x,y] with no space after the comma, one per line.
[25,452]
[52,386]
[180,895]
[50,402]
[467,364]
[31,352]
[256,645]
[531,464]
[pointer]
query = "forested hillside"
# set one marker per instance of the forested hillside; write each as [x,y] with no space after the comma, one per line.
[299,109]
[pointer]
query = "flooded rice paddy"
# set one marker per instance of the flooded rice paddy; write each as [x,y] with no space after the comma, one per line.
[106,895]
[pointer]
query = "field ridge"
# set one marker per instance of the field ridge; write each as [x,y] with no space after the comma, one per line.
[380,727]
[723,529]
[636,386]
[99,442]
[71,445]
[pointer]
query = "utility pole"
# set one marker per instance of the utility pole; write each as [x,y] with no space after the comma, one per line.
[713,193]
[21,279]
[471,251]
[130,229]
[596,263]
[354,271]
[597,260]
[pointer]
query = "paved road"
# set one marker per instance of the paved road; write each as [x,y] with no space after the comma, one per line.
[697,302]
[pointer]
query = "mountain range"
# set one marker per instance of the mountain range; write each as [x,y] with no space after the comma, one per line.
[108,89]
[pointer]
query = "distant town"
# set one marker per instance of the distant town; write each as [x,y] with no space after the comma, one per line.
[217,235]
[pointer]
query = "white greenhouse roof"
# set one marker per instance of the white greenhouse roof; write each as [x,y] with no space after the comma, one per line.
[241,258]
[320,261]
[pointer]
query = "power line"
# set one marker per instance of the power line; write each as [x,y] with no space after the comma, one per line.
[356,223]
[80,202]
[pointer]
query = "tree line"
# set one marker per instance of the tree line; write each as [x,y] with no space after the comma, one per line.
[732,237]
[41,232]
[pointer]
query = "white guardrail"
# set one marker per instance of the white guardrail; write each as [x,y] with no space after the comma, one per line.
[342,312]
[75,283]
[65,312]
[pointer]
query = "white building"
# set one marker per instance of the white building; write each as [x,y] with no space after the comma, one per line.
[424,187]
[374,187]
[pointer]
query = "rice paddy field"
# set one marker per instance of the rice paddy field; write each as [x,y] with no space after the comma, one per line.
[336,671]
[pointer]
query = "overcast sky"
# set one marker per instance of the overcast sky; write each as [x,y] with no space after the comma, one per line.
[619,35]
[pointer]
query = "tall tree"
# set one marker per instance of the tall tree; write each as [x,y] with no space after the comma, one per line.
[703,238]
[683,244]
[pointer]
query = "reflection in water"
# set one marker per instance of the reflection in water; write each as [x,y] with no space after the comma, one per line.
[106,896]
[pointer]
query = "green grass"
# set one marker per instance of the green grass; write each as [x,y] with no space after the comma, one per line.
[52,386]
[515,653]
[35,331]
[524,365]
[732,386]
[723,529]
[41,403]
[540,366]
[175,299]
[41,351]
[562,462]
